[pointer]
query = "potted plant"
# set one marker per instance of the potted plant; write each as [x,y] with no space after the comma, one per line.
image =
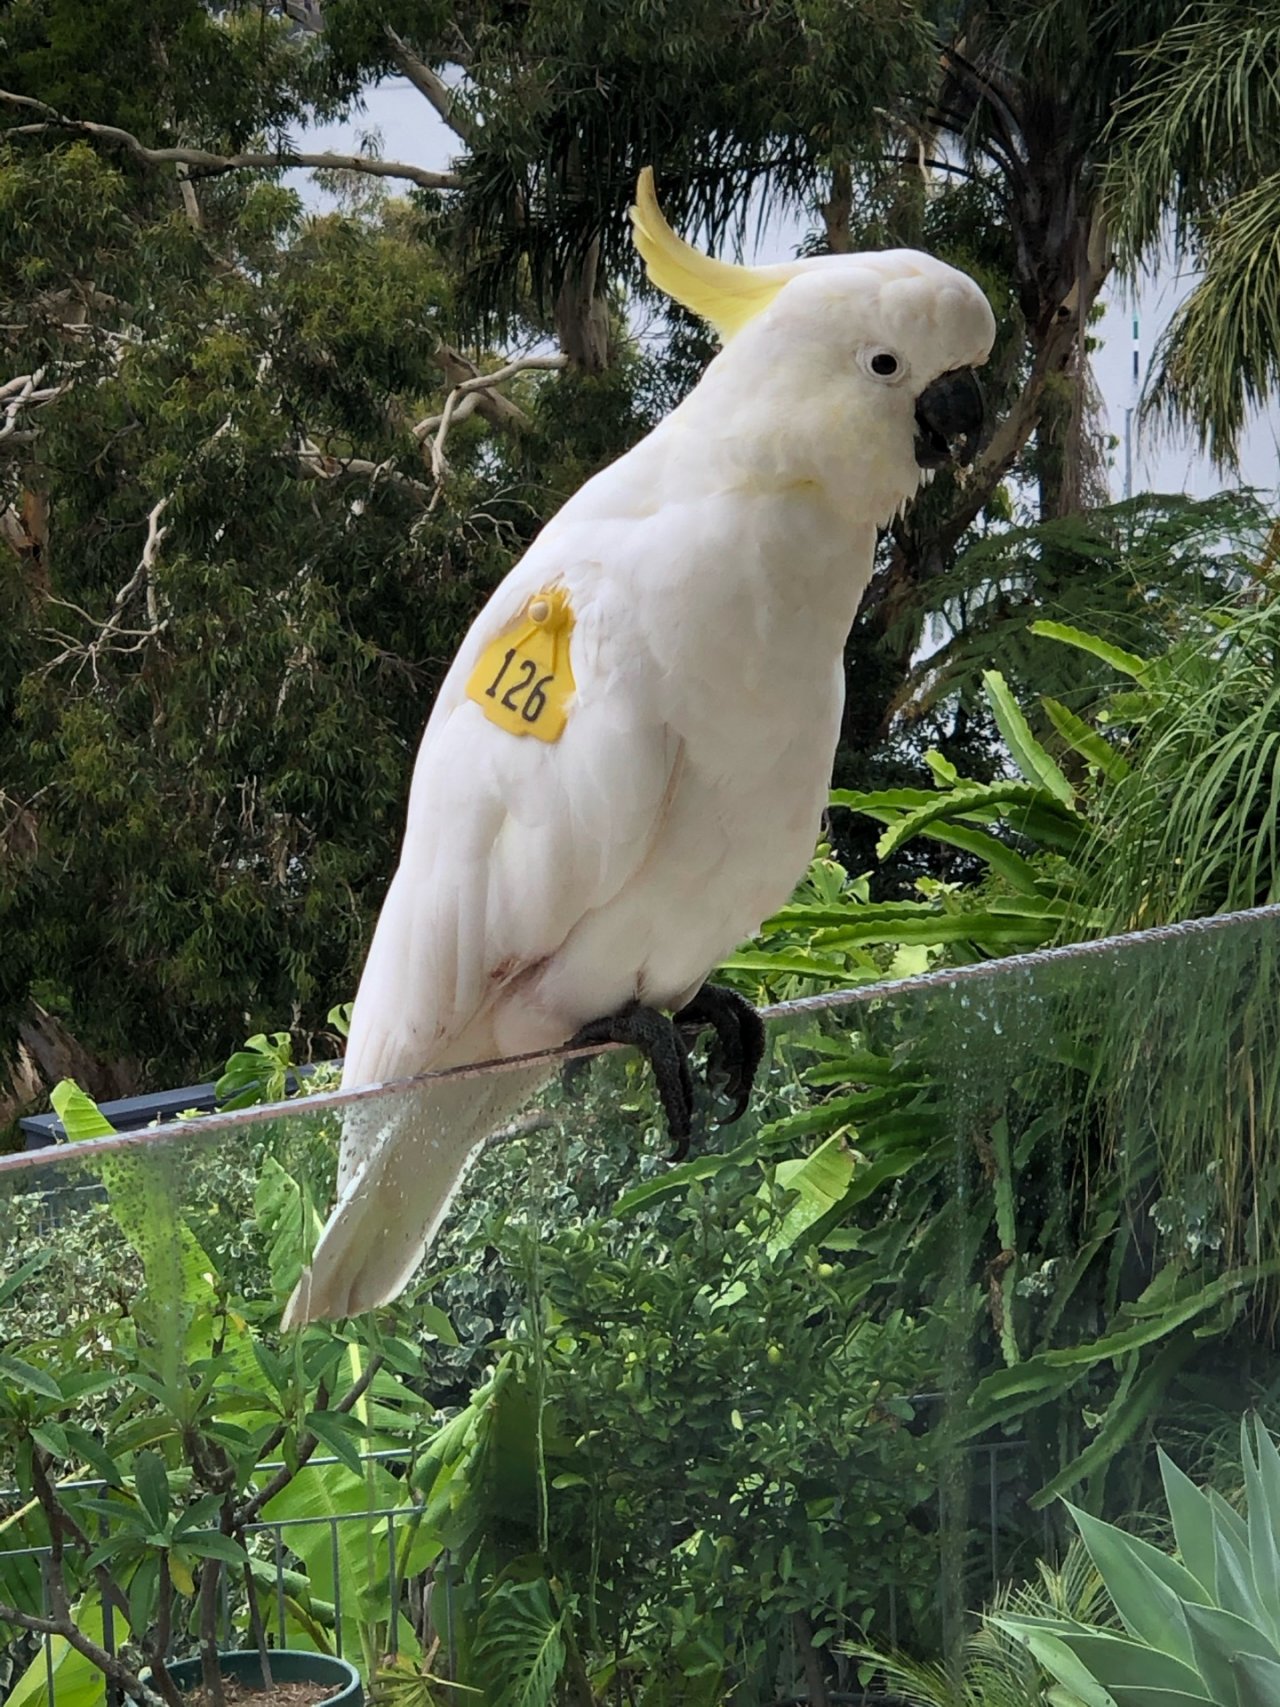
[138,1452]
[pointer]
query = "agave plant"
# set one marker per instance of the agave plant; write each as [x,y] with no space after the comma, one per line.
[1199,1630]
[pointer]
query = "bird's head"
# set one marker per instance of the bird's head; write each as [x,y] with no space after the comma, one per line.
[878,350]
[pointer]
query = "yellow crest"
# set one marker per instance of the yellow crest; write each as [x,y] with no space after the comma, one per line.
[724,295]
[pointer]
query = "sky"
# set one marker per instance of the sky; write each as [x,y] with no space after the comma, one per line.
[410,131]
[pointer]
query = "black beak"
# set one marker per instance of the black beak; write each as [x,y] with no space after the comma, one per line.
[949,418]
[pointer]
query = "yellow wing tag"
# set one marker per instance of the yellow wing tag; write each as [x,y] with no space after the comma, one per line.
[524,680]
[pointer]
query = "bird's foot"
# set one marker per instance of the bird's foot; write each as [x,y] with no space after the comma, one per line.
[735,1056]
[657,1039]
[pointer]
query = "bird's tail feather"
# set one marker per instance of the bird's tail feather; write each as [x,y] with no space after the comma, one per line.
[417,1153]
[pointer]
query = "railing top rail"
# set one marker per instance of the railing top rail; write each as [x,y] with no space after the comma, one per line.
[983,972]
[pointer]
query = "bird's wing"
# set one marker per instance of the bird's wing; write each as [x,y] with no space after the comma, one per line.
[511,840]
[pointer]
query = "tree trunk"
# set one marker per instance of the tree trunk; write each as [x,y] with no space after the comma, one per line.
[837,212]
[582,316]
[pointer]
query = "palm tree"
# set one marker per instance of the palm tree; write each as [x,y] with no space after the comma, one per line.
[1196,166]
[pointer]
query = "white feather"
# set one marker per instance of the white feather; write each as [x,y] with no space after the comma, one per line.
[713,574]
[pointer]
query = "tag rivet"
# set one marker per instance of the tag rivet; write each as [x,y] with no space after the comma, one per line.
[539,610]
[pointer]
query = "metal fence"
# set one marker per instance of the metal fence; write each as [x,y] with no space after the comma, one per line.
[425,1600]
[403,1598]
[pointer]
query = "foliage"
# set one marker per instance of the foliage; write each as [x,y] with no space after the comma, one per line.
[205,753]
[1203,1627]
[232,585]
[995,1669]
[1201,164]
[170,1408]
[1140,573]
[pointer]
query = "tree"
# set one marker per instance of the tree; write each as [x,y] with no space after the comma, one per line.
[249,499]
[259,471]
[1199,173]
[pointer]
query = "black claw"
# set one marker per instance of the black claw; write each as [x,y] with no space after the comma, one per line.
[735,1056]
[657,1039]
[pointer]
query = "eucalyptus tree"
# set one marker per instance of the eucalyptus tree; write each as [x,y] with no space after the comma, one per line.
[250,495]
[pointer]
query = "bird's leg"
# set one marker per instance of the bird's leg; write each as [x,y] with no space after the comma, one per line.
[738,1050]
[657,1039]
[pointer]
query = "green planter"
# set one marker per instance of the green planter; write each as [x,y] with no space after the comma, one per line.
[288,1665]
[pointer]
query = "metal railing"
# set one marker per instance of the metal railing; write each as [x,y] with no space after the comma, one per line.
[414,1598]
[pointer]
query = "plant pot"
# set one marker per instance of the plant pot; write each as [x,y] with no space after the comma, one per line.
[288,1665]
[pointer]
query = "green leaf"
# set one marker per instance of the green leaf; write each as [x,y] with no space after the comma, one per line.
[1147,1587]
[211,1544]
[1124,1416]
[1032,760]
[151,1480]
[1086,741]
[13,1283]
[432,1320]
[1117,1660]
[520,1645]
[27,1376]
[286,1215]
[1233,1579]
[821,1181]
[1257,1680]
[1058,1660]
[1141,1695]
[1219,1639]
[1264,1553]
[1193,1526]
[79,1114]
[674,1181]
[53,1438]
[1127,663]
[91,1450]
[797,963]
[982,799]
[334,1429]
[1144,1332]
[1005,861]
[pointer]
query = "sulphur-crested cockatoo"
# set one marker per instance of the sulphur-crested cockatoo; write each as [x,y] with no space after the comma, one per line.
[625,769]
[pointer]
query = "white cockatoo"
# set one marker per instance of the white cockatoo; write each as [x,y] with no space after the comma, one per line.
[625,769]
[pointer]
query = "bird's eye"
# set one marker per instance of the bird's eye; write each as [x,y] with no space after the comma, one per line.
[884,365]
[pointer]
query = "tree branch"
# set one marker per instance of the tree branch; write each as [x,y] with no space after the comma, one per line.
[323,466]
[248,1510]
[61,1623]
[202,163]
[465,397]
[24,392]
[428,82]
[112,628]
[130,1684]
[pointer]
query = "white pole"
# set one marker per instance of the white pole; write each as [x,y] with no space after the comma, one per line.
[1130,414]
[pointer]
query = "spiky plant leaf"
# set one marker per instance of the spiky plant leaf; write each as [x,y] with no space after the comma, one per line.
[1257,1680]
[1117,1662]
[1084,740]
[1127,663]
[1147,1587]
[1219,1639]
[1030,757]
[1192,1517]
[1262,1489]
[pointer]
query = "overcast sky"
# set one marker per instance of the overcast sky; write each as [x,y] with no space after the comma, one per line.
[410,131]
